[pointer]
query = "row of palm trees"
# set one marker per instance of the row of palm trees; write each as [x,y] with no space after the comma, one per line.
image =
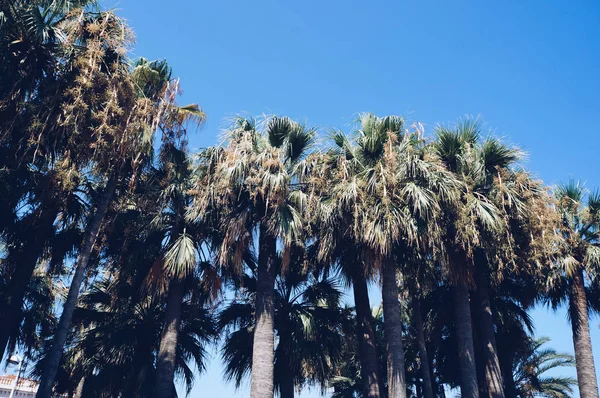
[251,243]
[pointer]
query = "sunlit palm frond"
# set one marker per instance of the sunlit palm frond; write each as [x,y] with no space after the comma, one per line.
[181,257]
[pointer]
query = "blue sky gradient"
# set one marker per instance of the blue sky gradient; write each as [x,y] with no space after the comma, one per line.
[531,69]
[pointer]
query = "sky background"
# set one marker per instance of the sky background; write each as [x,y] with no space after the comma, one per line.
[531,69]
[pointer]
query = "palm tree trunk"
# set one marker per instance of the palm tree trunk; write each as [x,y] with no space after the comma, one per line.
[12,300]
[286,387]
[423,357]
[261,384]
[493,374]
[464,339]
[367,347]
[584,359]
[286,379]
[510,390]
[52,361]
[167,353]
[393,331]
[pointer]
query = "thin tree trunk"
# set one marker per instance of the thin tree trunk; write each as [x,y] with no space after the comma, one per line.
[464,339]
[286,378]
[424,369]
[479,360]
[167,353]
[510,390]
[52,361]
[584,359]
[487,334]
[393,331]
[12,300]
[432,350]
[367,347]
[261,384]
[79,390]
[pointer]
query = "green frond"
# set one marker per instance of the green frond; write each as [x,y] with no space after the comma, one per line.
[497,155]
[299,141]
[469,130]
[449,147]
[278,130]
[181,258]
[593,205]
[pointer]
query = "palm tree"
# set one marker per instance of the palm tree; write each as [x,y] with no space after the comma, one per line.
[348,381]
[28,238]
[387,187]
[38,318]
[512,298]
[116,343]
[419,280]
[253,182]
[476,237]
[307,322]
[182,253]
[129,303]
[579,255]
[129,145]
[528,372]
[37,69]
[31,35]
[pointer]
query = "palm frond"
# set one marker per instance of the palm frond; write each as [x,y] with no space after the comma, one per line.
[181,257]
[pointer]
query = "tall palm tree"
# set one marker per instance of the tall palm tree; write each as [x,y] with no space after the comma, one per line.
[182,252]
[419,280]
[388,188]
[128,120]
[133,280]
[37,69]
[307,322]
[579,256]
[475,227]
[254,182]
[512,298]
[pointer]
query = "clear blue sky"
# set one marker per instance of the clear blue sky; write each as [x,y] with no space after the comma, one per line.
[530,68]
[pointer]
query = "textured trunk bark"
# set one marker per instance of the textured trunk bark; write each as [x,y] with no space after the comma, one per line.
[487,334]
[424,369]
[79,390]
[584,359]
[12,301]
[367,347]
[464,339]
[52,361]
[167,353]
[393,331]
[261,384]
